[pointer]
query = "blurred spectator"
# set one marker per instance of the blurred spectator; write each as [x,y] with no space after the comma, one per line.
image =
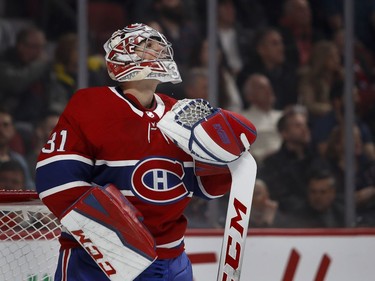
[365,196]
[18,143]
[65,71]
[265,211]
[273,10]
[54,17]
[323,125]
[103,18]
[326,16]
[335,154]
[364,23]
[251,14]
[197,214]
[369,118]
[268,58]
[173,17]
[155,25]
[298,31]
[39,137]
[12,9]
[322,209]
[258,92]
[6,35]
[7,132]
[364,27]
[196,83]
[12,176]
[285,170]
[25,75]
[364,71]
[8,30]
[318,77]
[229,96]
[233,37]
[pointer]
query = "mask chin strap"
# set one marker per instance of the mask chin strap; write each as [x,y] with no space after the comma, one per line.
[142,74]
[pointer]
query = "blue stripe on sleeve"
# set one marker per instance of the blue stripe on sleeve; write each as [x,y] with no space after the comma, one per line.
[61,172]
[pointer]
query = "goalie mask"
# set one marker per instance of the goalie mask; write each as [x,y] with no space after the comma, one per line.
[139,52]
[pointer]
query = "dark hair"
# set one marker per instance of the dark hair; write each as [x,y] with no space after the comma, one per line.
[44,115]
[337,90]
[261,33]
[5,110]
[11,166]
[194,73]
[320,173]
[282,124]
[66,44]
[23,34]
[220,2]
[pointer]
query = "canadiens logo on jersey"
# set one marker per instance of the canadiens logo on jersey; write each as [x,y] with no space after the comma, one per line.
[159,180]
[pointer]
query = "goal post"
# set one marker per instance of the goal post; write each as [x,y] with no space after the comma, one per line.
[28,238]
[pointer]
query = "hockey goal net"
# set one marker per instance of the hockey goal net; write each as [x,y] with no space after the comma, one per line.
[28,238]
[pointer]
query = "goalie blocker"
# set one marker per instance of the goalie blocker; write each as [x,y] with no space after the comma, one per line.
[209,135]
[109,228]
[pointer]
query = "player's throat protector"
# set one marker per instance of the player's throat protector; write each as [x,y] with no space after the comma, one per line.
[126,51]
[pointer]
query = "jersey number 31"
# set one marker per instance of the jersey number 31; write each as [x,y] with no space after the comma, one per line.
[51,144]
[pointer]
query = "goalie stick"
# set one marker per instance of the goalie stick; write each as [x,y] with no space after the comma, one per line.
[194,125]
[243,172]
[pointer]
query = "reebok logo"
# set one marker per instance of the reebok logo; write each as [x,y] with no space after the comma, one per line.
[220,131]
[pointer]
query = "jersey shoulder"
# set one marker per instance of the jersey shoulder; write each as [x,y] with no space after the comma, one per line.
[92,108]
[167,100]
[90,95]
[93,101]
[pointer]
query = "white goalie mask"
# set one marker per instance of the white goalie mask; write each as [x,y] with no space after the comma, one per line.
[139,52]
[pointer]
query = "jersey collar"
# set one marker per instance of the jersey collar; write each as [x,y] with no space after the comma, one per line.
[158,106]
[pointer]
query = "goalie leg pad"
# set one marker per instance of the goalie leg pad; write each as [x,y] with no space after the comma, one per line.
[108,227]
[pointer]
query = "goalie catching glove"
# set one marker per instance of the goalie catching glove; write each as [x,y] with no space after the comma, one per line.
[109,228]
[208,134]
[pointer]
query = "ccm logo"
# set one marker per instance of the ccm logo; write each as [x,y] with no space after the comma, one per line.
[236,231]
[94,252]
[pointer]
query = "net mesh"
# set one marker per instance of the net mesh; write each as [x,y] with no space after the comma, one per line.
[189,112]
[28,239]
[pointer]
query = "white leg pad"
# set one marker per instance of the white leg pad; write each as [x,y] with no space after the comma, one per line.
[109,230]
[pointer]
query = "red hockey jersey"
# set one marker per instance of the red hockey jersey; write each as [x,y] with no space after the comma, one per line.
[106,137]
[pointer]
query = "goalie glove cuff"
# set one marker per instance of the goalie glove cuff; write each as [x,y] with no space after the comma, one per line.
[206,169]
